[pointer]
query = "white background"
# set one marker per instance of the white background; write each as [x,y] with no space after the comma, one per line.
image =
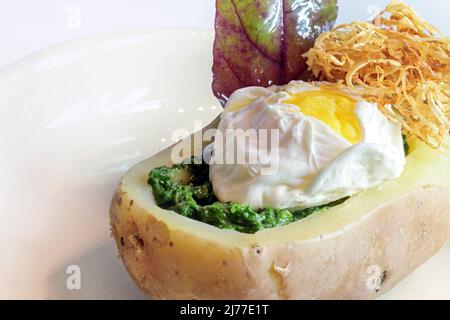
[29,25]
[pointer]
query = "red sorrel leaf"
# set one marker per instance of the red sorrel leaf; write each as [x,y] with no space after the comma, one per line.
[261,42]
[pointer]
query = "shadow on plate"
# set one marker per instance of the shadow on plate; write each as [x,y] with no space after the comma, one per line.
[103,276]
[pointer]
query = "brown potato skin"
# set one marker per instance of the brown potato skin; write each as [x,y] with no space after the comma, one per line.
[397,237]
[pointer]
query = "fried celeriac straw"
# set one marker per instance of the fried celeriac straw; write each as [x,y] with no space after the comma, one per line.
[399,61]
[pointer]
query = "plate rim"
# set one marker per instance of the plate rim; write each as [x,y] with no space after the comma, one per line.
[31,58]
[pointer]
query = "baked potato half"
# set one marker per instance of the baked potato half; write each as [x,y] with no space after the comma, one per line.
[356,250]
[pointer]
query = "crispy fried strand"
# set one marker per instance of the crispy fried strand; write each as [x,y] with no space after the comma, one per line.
[399,61]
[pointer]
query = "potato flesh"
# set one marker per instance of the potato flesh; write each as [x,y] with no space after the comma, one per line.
[424,167]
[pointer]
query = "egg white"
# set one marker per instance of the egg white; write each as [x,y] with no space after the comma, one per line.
[314,164]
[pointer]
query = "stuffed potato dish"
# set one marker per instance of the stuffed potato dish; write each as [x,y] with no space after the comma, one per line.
[360,194]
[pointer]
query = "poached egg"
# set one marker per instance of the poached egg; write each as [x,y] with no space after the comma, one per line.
[331,144]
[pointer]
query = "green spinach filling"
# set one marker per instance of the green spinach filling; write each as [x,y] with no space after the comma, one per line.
[186,189]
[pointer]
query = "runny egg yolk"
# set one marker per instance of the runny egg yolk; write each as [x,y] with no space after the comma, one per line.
[335,109]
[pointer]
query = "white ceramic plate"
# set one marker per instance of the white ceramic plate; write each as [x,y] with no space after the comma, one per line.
[73,118]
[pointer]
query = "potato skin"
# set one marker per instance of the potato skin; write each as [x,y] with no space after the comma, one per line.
[393,239]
